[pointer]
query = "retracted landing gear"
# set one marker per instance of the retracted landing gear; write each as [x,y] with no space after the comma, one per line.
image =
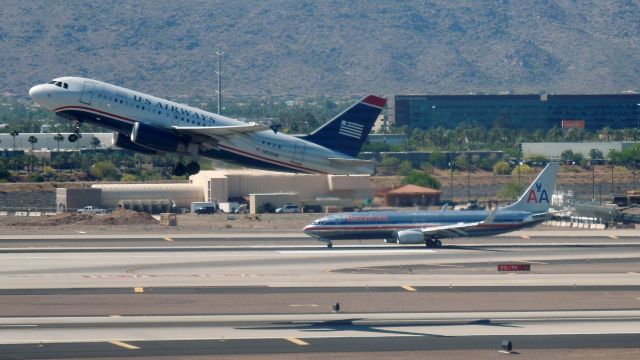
[433,243]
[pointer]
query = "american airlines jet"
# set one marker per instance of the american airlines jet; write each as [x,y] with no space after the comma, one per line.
[151,125]
[428,227]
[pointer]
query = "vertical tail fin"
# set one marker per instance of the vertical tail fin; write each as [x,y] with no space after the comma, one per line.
[347,132]
[537,198]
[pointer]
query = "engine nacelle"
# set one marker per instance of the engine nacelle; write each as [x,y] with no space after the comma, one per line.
[409,237]
[157,138]
[122,141]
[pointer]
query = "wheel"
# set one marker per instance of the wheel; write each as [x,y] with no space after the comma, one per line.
[437,243]
[72,137]
[193,168]
[179,170]
[428,243]
[329,245]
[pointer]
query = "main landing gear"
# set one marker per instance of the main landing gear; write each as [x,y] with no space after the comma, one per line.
[191,168]
[433,243]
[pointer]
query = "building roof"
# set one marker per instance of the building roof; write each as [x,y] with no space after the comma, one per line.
[411,189]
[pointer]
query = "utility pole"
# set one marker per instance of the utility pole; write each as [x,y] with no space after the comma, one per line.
[219,73]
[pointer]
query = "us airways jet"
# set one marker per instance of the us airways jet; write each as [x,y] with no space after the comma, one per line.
[151,125]
[428,227]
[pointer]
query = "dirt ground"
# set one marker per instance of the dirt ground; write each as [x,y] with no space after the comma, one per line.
[131,222]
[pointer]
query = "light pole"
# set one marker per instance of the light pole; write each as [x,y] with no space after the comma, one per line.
[638,117]
[593,177]
[613,165]
[433,116]
[451,177]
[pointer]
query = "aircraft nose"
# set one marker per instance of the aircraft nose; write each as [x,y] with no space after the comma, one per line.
[37,92]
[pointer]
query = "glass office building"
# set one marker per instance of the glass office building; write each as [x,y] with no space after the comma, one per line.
[523,111]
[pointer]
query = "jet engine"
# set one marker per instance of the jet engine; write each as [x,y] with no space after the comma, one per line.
[157,138]
[409,237]
[122,141]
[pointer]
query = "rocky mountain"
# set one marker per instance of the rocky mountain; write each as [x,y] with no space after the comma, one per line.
[314,47]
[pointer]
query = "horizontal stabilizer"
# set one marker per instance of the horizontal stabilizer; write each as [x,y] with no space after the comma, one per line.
[221,130]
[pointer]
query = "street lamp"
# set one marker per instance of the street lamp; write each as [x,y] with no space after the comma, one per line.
[433,115]
[613,165]
[593,177]
[638,116]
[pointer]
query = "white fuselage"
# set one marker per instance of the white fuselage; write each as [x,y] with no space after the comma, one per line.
[118,109]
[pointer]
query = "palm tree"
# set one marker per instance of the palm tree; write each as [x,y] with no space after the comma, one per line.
[95,142]
[33,140]
[13,134]
[58,137]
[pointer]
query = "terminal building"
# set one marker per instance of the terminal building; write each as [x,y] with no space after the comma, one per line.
[592,112]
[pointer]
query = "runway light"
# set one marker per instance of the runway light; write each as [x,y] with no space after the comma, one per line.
[507,346]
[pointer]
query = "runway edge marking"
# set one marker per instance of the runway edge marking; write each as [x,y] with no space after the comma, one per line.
[297,341]
[408,288]
[124,345]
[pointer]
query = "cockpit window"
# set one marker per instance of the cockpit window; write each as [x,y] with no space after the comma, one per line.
[65,85]
[59,84]
[51,82]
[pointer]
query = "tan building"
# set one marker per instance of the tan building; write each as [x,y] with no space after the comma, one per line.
[223,185]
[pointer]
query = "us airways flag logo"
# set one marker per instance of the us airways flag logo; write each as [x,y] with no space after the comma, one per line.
[350,129]
[538,195]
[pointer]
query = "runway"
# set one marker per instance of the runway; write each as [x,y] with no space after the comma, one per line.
[82,295]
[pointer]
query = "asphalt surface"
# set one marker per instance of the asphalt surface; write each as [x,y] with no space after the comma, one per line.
[186,295]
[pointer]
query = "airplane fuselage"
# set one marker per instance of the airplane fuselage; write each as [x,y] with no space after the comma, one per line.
[119,109]
[385,224]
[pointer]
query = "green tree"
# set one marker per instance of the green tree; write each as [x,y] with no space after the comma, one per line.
[405,168]
[511,190]
[95,142]
[421,178]
[501,168]
[32,140]
[105,170]
[13,134]
[58,137]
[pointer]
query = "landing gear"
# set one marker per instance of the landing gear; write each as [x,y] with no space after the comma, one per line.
[179,170]
[76,133]
[191,168]
[329,245]
[433,243]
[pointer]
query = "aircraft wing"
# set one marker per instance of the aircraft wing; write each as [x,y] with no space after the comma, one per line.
[459,229]
[351,162]
[221,130]
[450,231]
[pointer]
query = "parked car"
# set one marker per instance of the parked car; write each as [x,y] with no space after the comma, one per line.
[206,210]
[242,209]
[92,210]
[289,208]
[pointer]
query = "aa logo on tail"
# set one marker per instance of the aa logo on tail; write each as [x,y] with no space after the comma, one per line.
[538,195]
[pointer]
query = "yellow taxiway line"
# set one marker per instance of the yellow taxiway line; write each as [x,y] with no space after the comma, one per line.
[408,287]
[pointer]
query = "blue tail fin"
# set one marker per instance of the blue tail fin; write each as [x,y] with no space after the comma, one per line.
[348,131]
